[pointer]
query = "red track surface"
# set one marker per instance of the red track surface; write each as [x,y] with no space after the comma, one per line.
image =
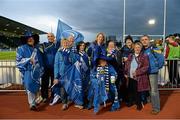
[14,105]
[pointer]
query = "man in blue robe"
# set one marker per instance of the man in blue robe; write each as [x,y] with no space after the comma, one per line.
[29,62]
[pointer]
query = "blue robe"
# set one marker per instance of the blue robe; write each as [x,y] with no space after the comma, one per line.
[85,71]
[31,74]
[61,64]
[94,51]
[102,87]
[67,71]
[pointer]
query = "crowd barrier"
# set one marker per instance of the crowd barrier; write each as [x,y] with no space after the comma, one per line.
[10,77]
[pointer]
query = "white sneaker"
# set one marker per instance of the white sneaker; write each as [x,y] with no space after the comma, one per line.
[105,104]
[78,106]
[55,100]
[38,100]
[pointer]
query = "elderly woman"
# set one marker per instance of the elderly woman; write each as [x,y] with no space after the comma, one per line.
[136,72]
[68,82]
[61,57]
[97,48]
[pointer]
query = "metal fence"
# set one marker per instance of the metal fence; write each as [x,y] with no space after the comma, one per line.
[10,77]
[169,75]
[168,78]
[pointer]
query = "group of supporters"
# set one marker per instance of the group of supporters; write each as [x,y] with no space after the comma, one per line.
[90,76]
[172,54]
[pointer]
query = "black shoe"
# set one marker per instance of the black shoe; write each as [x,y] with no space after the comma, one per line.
[145,102]
[33,108]
[129,104]
[139,107]
[88,106]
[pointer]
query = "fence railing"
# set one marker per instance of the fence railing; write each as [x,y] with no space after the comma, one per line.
[169,75]
[168,78]
[10,77]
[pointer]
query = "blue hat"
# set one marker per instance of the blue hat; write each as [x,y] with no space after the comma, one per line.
[27,35]
[77,35]
[103,57]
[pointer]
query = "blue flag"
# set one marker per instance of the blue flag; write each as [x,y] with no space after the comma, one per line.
[77,35]
[60,28]
[72,83]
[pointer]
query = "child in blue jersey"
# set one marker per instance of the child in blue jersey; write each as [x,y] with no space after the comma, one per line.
[102,85]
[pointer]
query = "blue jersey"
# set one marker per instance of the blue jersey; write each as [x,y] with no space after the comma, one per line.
[49,50]
[102,87]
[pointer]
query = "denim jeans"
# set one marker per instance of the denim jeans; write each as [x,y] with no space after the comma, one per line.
[154,92]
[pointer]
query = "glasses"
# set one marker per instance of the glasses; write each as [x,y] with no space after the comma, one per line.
[50,36]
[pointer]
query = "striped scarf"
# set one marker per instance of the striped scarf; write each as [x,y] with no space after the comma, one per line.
[103,75]
[74,49]
[82,53]
[65,50]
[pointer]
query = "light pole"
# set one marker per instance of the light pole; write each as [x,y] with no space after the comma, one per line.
[124,22]
[164,30]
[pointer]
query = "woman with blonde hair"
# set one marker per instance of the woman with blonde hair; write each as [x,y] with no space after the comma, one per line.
[97,48]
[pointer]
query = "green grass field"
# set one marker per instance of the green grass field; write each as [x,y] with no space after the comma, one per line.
[7,55]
